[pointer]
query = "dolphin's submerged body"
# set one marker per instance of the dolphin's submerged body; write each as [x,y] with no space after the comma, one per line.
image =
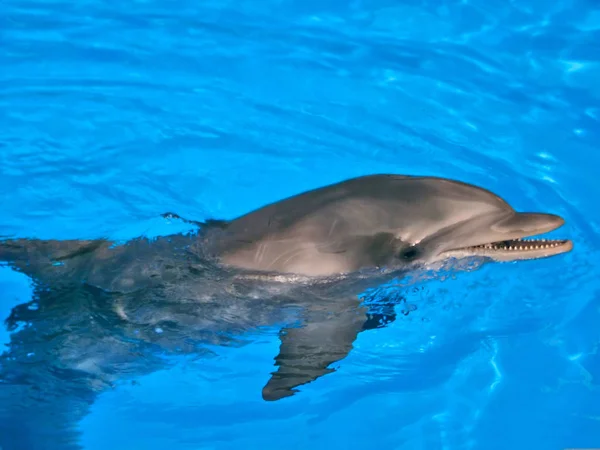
[103,309]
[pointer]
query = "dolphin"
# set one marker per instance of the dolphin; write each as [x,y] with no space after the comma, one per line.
[384,220]
[303,263]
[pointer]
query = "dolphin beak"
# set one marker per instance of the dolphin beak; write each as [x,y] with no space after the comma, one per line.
[528,224]
[510,239]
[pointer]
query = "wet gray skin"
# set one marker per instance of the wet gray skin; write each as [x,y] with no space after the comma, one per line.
[384,220]
[300,263]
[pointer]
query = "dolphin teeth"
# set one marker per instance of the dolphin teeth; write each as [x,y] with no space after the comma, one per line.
[518,245]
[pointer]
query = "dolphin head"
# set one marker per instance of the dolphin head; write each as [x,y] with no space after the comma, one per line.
[440,219]
[502,236]
[385,220]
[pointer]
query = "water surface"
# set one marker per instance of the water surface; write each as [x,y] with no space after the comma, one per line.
[113,113]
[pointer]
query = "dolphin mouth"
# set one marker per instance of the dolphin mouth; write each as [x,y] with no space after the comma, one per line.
[522,248]
[514,249]
[519,228]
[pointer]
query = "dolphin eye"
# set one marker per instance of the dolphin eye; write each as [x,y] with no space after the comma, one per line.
[410,253]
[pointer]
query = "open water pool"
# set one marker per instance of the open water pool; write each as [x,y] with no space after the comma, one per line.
[115,113]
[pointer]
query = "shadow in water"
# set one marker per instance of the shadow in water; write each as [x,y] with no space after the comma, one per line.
[103,314]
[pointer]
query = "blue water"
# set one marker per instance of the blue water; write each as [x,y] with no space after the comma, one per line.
[112,113]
